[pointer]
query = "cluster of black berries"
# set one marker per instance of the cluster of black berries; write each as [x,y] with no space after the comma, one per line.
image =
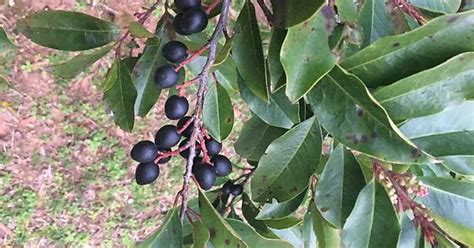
[190,20]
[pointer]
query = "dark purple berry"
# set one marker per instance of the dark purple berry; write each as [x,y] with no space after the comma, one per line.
[144,151]
[166,76]
[183,5]
[167,137]
[226,188]
[189,130]
[205,175]
[185,153]
[146,173]
[190,22]
[176,107]
[166,159]
[236,189]
[175,51]
[213,147]
[222,165]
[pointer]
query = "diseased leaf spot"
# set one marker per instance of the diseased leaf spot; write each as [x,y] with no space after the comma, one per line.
[212,233]
[359,111]
[228,120]
[294,189]
[396,44]
[324,209]
[374,135]
[415,153]
[452,19]
[227,242]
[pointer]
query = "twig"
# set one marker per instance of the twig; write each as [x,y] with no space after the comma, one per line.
[266,11]
[203,80]
[408,8]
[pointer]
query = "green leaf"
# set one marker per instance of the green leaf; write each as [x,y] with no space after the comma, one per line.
[287,13]
[338,186]
[440,6]
[347,110]
[79,63]
[275,68]
[223,53]
[226,72]
[6,45]
[284,223]
[452,203]
[373,222]
[255,137]
[422,48]
[327,235]
[253,239]
[461,164]
[250,212]
[218,115]
[409,235]
[169,234]
[4,84]
[284,170]
[425,93]
[467,5]
[347,10]
[120,95]
[200,235]
[220,231]
[137,30]
[247,52]
[450,132]
[309,235]
[292,235]
[375,21]
[306,56]
[278,111]
[66,30]
[280,210]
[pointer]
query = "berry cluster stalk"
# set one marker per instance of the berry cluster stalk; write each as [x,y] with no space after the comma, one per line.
[409,9]
[203,79]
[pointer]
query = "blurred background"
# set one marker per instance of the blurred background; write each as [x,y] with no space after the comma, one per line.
[65,175]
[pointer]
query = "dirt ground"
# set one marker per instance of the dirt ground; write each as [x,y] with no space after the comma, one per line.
[65,175]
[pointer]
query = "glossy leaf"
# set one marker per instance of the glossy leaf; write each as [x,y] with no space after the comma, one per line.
[347,110]
[285,223]
[218,115]
[255,137]
[68,31]
[223,53]
[278,111]
[169,234]
[309,235]
[347,10]
[422,48]
[375,21]
[120,95]
[452,203]
[373,222]
[137,30]
[226,72]
[247,52]
[306,56]
[461,164]
[78,64]
[327,235]
[284,170]
[219,230]
[292,235]
[430,91]
[338,186]
[447,133]
[287,13]
[440,6]
[409,235]
[275,68]
[253,239]
[200,235]
[6,45]
[250,212]
[279,210]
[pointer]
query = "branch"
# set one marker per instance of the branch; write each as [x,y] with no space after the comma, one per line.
[409,9]
[203,79]
[266,11]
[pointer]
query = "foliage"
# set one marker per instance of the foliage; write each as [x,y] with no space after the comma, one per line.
[349,107]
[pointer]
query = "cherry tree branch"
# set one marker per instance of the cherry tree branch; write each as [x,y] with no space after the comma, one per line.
[266,11]
[203,79]
[409,9]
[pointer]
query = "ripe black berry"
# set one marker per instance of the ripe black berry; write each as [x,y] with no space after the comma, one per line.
[226,188]
[146,173]
[190,22]
[205,175]
[176,107]
[213,147]
[166,159]
[222,165]
[166,76]
[167,137]
[144,151]
[189,130]
[197,161]
[175,51]
[236,189]
[183,5]
[185,153]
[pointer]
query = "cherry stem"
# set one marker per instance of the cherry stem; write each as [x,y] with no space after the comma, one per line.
[409,9]
[212,6]
[182,87]
[266,11]
[193,56]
